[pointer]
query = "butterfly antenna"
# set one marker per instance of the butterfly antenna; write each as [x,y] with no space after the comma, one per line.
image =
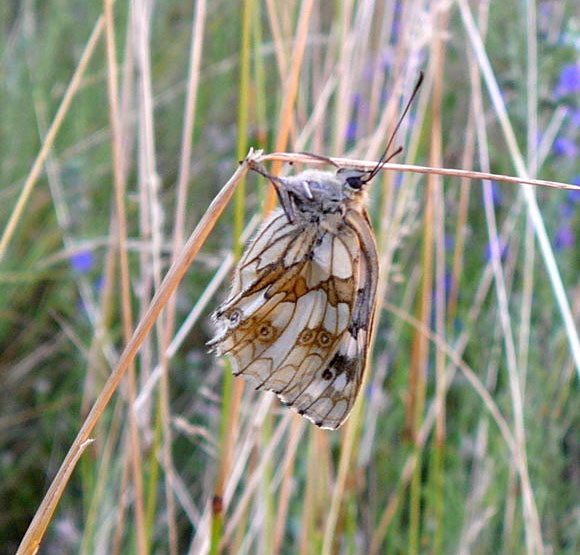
[321,158]
[258,168]
[383,159]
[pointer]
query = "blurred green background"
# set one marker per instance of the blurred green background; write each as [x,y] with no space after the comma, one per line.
[61,301]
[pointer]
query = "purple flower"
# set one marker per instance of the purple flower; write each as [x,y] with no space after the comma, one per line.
[495,193]
[351,130]
[564,237]
[449,242]
[386,60]
[448,283]
[574,196]
[99,283]
[565,147]
[569,82]
[503,250]
[545,9]
[82,261]
[384,96]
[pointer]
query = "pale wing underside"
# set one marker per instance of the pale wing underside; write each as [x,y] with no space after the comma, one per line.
[295,320]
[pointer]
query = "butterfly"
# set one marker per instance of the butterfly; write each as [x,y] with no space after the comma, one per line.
[300,313]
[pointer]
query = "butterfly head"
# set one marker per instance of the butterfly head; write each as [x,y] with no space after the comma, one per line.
[313,193]
[353,181]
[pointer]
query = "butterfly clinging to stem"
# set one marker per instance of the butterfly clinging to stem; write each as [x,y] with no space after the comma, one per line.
[300,313]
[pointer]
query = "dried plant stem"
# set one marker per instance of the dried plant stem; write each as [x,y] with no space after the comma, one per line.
[255,477]
[106,456]
[532,163]
[178,238]
[441,17]
[232,392]
[528,193]
[309,506]
[50,137]
[345,65]
[175,274]
[290,91]
[344,467]
[418,369]
[531,518]
[453,354]
[296,430]
[449,172]
[132,438]
[37,528]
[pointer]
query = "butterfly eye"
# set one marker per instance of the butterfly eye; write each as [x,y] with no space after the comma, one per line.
[355,182]
[352,178]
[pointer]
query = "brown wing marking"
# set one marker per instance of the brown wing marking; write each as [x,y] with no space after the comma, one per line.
[267,364]
[330,398]
[319,339]
[305,343]
[292,357]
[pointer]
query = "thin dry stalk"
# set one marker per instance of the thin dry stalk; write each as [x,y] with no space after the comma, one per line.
[290,91]
[308,501]
[415,402]
[281,57]
[295,157]
[347,452]
[441,18]
[532,163]
[528,193]
[253,481]
[175,274]
[134,444]
[232,392]
[460,346]
[178,238]
[531,517]
[296,431]
[343,107]
[33,537]
[50,137]
[97,316]
[479,388]
[464,195]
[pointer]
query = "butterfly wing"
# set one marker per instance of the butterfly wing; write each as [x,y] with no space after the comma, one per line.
[298,318]
[329,398]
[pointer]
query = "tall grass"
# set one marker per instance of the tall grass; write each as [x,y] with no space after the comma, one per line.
[119,126]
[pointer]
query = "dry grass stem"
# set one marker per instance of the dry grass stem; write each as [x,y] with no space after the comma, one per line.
[48,142]
[298,158]
[460,436]
[166,289]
